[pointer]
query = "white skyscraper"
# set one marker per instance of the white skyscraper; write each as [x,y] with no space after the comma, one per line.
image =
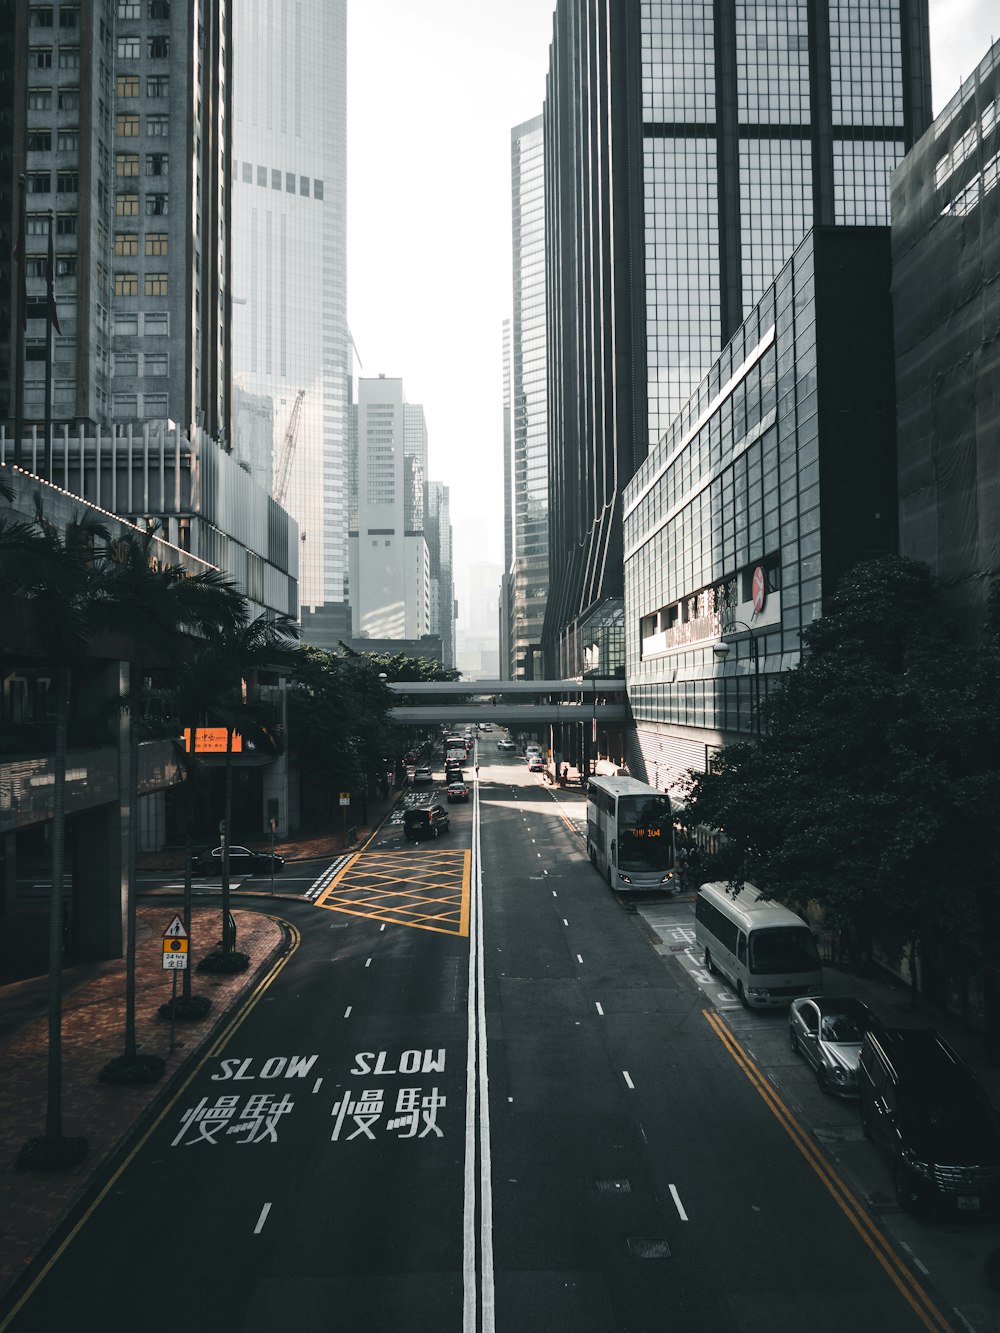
[290,338]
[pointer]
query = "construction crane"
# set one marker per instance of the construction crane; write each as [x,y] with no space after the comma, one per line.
[284,468]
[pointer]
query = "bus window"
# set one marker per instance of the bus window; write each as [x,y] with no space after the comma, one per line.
[645,829]
[785,949]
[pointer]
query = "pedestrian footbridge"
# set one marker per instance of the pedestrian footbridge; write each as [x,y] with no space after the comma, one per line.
[521,704]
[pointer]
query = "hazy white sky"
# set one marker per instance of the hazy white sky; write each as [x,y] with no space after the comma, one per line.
[434,87]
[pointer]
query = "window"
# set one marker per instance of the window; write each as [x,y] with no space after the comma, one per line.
[126,164]
[34,266]
[126,205]
[317,189]
[68,141]
[125,404]
[247,173]
[69,16]
[69,57]
[156,243]
[126,243]
[68,182]
[158,85]
[157,205]
[290,182]
[69,99]
[37,224]
[126,326]
[156,325]
[126,125]
[159,9]
[65,266]
[129,48]
[154,363]
[128,85]
[158,126]
[154,405]
[40,57]
[262,176]
[65,224]
[156,284]
[128,9]
[304,186]
[275,179]
[41,16]
[126,284]
[125,363]
[39,141]
[34,349]
[39,182]
[158,47]
[39,99]
[157,164]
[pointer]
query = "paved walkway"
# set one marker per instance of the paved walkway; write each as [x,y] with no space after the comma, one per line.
[32,1203]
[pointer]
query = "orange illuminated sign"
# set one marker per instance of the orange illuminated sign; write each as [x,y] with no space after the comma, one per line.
[212,740]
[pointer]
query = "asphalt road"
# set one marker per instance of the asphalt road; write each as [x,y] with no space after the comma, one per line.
[475,1098]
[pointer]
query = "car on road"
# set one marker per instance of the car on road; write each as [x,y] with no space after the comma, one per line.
[422,777]
[505,745]
[242,861]
[457,791]
[827,1031]
[536,764]
[426,821]
[486,726]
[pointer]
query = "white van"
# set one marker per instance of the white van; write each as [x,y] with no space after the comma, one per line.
[767,952]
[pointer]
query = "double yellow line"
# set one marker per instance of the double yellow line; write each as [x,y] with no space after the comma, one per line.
[901,1277]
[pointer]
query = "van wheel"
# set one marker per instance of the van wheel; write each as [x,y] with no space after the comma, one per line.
[709,964]
[742,995]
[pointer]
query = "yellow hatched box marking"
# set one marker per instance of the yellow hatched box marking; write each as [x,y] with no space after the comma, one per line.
[425,889]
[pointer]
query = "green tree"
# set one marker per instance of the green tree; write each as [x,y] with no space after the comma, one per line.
[848,800]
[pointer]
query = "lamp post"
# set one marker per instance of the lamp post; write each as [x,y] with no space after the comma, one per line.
[721,652]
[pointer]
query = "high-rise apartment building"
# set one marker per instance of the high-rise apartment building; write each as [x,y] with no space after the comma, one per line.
[440,546]
[119,124]
[528,495]
[506,610]
[291,360]
[689,146]
[390,577]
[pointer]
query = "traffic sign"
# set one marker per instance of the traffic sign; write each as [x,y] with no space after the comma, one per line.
[175,931]
[175,954]
[345,798]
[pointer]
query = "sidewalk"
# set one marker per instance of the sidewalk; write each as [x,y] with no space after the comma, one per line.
[33,1203]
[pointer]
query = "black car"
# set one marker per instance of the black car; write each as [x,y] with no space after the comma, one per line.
[926,1110]
[457,791]
[426,821]
[242,861]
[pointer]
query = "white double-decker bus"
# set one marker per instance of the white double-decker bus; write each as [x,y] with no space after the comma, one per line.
[630,835]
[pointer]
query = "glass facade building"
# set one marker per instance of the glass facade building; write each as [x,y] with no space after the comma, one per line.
[528,497]
[776,476]
[290,336]
[946,258]
[690,145]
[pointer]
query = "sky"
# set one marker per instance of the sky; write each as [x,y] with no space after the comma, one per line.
[434,88]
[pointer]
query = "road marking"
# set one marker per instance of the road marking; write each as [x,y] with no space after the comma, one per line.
[554,894]
[677,1201]
[900,1276]
[579,958]
[262,1219]
[317,1084]
[347,1011]
[926,1271]
[382,927]
[565,922]
[627,1077]
[599,1008]
[327,877]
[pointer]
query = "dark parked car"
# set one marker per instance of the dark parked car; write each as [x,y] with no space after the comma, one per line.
[827,1031]
[426,821]
[930,1116]
[242,861]
[457,791]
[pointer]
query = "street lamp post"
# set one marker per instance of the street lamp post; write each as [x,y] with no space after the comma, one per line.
[721,652]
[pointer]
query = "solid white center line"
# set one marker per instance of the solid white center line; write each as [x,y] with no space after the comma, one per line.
[262,1219]
[368,962]
[347,1011]
[677,1200]
[599,1009]
[627,1078]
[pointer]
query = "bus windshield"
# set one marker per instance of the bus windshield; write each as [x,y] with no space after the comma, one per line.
[783,949]
[645,833]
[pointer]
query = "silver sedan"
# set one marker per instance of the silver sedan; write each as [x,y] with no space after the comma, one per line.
[827,1031]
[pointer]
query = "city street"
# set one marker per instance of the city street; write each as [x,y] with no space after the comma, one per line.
[476,1097]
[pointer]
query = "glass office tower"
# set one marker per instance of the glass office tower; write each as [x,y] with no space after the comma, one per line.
[690,145]
[290,338]
[529,496]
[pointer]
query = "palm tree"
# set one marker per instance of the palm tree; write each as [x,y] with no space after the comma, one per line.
[57,574]
[157,606]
